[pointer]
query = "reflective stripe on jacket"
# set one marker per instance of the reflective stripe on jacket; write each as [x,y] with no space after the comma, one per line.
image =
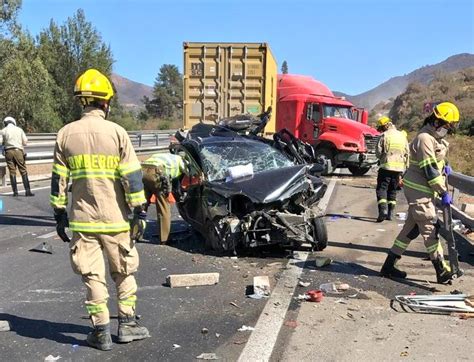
[98,157]
[424,178]
[170,164]
[392,150]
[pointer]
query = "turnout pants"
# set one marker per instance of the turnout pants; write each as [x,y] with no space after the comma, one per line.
[151,183]
[14,158]
[87,258]
[421,220]
[387,184]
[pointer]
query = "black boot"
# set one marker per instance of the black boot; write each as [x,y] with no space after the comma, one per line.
[389,269]
[382,212]
[100,338]
[129,330]
[391,208]
[14,185]
[26,185]
[443,272]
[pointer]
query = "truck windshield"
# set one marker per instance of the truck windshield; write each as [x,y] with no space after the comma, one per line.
[218,157]
[337,111]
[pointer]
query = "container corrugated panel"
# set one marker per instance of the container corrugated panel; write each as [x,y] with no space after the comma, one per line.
[226,79]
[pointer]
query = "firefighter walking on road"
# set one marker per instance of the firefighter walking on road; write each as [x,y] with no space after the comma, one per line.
[98,157]
[159,172]
[392,152]
[422,183]
[14,140]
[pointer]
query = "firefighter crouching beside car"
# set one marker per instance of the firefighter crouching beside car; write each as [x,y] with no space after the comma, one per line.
[423,182]
[392,152]
[159,172]
[98,157]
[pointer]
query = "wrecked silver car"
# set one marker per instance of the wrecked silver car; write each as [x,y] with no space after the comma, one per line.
[239,192]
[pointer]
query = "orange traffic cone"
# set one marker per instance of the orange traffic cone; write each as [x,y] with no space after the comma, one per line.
[171,198]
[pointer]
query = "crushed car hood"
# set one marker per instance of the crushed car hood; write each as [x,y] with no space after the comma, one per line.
[265,187]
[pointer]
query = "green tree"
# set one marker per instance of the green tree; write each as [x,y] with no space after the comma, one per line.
[9,17]
[26,91]
[167,94]
[67,51]
[284,67]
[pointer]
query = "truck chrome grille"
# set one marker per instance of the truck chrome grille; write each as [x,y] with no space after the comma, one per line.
[371,142]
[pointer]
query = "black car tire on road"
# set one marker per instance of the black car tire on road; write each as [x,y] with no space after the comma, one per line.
[320,233]
[358,171]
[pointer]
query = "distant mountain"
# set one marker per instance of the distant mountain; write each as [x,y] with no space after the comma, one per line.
[130,93]
[397,85]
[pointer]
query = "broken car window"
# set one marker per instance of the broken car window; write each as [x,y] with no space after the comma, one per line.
[218,157]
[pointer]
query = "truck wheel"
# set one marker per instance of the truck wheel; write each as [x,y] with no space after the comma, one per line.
[358,171]
[325,157]
[320,234]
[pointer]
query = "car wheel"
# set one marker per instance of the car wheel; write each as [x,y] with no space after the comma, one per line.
[320,234]
[211,238]
[358,171]
[325,157]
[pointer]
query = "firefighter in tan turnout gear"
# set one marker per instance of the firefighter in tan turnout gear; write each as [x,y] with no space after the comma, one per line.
[423,182]
[392,152]
[98,157]
[159,172]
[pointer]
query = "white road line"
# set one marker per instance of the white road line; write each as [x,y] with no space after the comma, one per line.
[48,235]
[20,191]
[259,346]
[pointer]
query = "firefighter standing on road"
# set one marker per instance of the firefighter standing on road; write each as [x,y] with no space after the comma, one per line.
[159,172]
[98,157]
[424,180]
[14,139]
[392,152]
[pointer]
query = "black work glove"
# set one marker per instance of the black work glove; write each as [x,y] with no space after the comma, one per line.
[62,222]
[165,185]
[138,223]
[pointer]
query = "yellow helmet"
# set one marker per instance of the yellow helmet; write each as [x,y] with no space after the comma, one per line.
[93,84]
[383,121]
[447,112]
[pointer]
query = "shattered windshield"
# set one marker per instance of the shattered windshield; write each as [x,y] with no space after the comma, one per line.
[219,157]
[337,111]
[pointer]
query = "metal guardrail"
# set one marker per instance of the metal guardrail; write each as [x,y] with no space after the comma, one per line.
[47,157]
[462,184]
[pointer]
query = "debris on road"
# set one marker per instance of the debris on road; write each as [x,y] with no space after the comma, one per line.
[246,328]
[261,285]
[291,324]
[304,284]
[402,216]
[381,230]
[176,346]
[321,261]
[234,305]
[274,263]
[192,280]
[204,331]
[315,295]
[437,303]
[4,326]
[328,288]
[52,358]
[207,356]
[44,247]
[302,297]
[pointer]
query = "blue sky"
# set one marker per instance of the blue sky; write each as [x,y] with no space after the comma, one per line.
[352,46]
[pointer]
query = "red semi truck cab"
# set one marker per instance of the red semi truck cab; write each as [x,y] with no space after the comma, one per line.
[334,126]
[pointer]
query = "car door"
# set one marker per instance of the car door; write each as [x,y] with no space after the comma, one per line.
[190,190]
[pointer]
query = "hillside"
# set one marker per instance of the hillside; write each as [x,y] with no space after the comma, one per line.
[396,85]
[130,93]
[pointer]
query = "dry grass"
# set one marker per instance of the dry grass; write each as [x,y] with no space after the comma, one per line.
[461,153]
